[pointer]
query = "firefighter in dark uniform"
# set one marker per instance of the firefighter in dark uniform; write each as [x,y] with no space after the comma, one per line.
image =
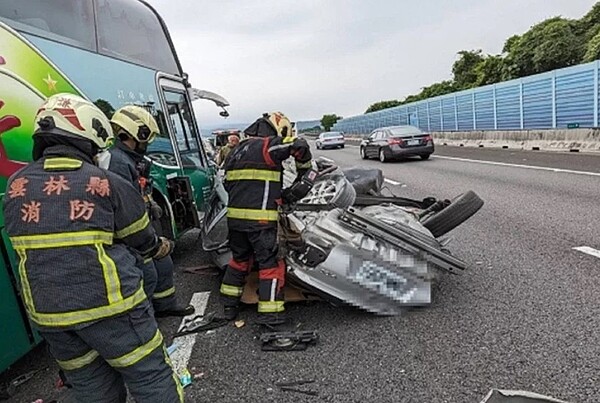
[253,180]
[72,225]
[135,128]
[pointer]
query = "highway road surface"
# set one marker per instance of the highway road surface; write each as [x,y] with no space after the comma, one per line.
[525,315]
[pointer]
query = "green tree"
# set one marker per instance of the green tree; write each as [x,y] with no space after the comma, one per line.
[437,89]
[490,71]
[551,44]
[465,68]
[593,49]
[560,48]
[327,121]
[588,25]
[377,106]
[511,43]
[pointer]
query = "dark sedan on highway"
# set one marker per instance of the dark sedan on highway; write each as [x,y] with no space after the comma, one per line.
[387,143]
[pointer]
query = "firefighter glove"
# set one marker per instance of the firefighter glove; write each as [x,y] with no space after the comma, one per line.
[165,248]
[301,187]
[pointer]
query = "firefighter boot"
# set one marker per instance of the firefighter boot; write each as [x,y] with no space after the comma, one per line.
[230,312]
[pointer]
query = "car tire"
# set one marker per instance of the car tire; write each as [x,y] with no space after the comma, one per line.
[318,146]
[425,156]
[382,156]
[363,153]
[460,210]
[342,146]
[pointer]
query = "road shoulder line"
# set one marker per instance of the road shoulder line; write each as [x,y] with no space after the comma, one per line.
[588,251]
[506,164]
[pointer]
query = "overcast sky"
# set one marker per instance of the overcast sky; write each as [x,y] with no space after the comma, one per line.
[311,57]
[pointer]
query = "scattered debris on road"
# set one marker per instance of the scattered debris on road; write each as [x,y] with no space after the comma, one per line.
[517,396]
[288,341]
[291,387]
[9,390]
[203,270]
[199,323]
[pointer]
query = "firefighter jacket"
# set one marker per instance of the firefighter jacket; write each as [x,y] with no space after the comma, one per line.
[71,224]
[253,179]
[130,165]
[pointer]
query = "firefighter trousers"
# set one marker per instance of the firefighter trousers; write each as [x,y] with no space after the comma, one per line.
[100,359]
[164,294]
[150,278]
[258,247]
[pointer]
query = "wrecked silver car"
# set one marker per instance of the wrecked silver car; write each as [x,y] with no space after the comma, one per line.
[346,243]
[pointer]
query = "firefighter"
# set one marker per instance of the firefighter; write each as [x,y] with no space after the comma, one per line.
[71,225]
[253,180]
[232,142]
[135,128]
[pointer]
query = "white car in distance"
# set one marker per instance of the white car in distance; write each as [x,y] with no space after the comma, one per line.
[330,140]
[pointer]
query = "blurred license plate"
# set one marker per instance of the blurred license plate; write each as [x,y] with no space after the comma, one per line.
[413,142]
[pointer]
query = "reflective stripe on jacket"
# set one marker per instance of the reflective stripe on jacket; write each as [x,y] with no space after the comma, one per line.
[71,224]
[253,179]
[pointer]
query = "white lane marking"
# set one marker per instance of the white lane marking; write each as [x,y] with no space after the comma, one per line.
[181,356]
[391,182]
[588,250]
[506,164]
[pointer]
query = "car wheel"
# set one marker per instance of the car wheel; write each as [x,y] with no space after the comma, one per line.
[382,157]
[363,153]
[342,146]
[425,156]
[459,211]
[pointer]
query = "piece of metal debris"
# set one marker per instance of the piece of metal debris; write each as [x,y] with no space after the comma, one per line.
[305,392]
[288,341]
[207,270]
[239,323]
[517,396]
[295,383]
[200,323]
[291,387]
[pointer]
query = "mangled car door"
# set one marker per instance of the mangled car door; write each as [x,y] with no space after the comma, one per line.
[214,227]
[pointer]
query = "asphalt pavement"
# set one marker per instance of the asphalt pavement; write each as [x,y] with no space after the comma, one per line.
[525,315]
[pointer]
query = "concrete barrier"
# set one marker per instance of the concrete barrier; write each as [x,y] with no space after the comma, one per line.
[575,140]
[547,140]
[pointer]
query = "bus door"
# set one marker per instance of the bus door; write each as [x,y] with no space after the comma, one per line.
[187,193]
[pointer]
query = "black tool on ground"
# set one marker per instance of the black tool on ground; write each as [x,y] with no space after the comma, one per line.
[290,387]
[200,323]
[288,341]
[306,392]
[294,383]
[11,388]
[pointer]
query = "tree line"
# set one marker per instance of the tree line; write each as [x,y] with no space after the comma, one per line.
[551,44]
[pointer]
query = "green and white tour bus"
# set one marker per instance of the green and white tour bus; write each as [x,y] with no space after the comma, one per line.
[113,52]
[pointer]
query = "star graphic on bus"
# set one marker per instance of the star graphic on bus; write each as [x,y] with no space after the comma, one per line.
[50,82]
